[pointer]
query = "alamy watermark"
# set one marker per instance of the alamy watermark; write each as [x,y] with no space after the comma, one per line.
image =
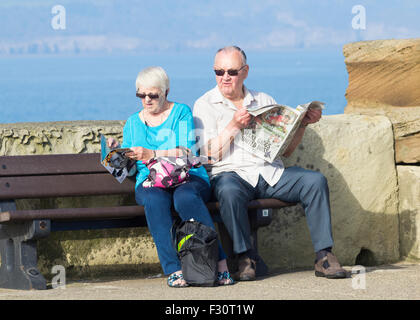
[358,280]
[58,281]
[58,21]
[359,20]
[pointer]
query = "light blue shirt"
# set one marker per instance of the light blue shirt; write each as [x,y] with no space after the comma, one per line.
[177,130]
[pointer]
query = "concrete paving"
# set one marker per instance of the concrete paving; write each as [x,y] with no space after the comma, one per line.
[395,281]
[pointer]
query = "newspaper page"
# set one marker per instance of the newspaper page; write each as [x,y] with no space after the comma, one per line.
[116,162]
[272,128]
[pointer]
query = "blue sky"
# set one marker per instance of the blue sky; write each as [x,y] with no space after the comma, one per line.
[309,35]
[188,25]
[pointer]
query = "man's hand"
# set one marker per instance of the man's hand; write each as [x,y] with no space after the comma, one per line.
[140,154]
[241,118]
[311,116]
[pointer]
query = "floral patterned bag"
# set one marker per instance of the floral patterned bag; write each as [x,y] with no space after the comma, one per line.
[169,172]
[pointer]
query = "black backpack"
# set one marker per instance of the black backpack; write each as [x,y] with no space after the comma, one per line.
[198,251]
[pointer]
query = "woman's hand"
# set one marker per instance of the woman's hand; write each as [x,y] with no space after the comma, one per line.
[112,143]
[311,116]
[140,154]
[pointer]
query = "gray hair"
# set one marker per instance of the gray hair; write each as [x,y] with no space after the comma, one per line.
[153,77]
[234,48]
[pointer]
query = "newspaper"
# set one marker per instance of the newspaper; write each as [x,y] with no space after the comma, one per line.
[272,128]
[116,162]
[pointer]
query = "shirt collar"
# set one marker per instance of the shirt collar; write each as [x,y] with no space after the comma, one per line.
[217,97]
[248,98]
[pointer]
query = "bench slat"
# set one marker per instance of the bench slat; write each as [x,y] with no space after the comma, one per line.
[256,204]
[50,164]
[72,213]
[114,212]
[62,185]
[95,224]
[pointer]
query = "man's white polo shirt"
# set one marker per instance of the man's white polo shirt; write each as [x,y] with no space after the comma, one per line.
[212,113]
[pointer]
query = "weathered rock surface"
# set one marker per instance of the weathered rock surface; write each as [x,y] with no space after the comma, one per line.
[355,153]
[385,72]
[406,126]
[56,137]
[407,149]
[409,206]
[384,77]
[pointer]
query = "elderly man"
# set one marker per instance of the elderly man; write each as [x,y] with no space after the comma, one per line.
[238,177]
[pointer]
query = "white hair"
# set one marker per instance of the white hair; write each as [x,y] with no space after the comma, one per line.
[153,77]
[234,48]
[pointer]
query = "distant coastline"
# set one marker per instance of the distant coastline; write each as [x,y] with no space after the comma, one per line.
[119,45]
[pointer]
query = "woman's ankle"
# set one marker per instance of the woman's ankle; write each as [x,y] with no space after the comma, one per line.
[176,279]
[222,266]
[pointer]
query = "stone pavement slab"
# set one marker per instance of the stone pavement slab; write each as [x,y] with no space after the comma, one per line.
[400,281]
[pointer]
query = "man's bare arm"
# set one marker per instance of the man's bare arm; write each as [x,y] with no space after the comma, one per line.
[312,116]
[295,141]
[215,148]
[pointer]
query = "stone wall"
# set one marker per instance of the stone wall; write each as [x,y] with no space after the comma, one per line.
[354,152]
[384,78]
[375,211]
[356,155]
[83,253]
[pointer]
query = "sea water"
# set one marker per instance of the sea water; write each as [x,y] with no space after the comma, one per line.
[102,87]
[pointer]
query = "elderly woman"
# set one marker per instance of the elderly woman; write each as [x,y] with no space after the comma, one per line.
[159,130]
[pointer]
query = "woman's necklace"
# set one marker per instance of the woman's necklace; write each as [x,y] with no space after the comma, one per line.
[154,124]
[150,123]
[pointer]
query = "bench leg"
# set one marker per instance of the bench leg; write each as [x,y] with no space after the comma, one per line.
[18,249]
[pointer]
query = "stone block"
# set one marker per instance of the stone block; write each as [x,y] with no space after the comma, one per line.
[383,80]
[407,149]
[409,207]
[383,72]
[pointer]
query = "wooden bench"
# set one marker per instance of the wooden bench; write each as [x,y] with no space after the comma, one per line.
[72,175]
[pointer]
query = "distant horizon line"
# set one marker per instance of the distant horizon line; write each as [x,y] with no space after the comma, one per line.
[211,51]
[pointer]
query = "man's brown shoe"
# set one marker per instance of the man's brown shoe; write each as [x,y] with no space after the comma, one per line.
[246,271]
[329,267]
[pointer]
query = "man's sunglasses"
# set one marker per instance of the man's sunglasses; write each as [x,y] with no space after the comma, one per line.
[231,72]
[150,95]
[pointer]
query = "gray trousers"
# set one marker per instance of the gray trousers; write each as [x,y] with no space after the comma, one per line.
[296,184]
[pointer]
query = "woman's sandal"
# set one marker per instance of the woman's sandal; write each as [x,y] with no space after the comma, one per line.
[173,278]
[224,279]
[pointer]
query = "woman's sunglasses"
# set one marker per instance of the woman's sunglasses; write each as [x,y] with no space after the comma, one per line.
[150,95]
[231,72]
